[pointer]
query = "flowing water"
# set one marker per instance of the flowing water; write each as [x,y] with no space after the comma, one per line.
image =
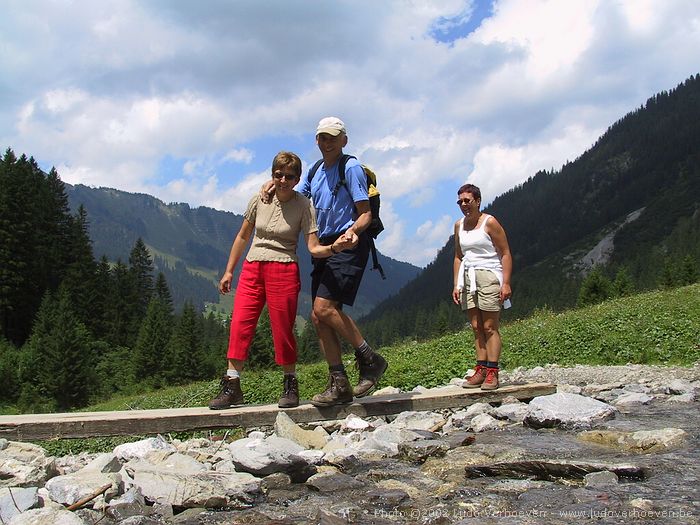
[438,492]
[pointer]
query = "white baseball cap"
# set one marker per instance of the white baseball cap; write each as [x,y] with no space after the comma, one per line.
[331,125]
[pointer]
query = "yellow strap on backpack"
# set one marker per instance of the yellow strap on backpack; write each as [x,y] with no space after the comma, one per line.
[372,190]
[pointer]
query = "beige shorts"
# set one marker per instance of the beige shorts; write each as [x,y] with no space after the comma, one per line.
[488,293]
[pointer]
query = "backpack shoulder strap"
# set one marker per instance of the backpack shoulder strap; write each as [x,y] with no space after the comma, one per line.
[341,171]
[314,169]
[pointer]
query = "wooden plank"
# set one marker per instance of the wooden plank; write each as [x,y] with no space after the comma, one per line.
[33,427]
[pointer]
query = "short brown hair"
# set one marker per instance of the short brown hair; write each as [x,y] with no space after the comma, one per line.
[287,159]
[470,188]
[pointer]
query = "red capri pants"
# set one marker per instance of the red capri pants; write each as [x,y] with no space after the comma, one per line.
[278,284]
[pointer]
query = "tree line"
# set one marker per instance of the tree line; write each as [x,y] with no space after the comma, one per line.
[74,329]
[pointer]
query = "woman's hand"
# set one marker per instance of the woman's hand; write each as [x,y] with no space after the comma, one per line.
[456,292]
[343,243]
[505,293]
[266,191]
[225,283]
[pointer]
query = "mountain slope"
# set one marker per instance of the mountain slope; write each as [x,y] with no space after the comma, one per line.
[192,245]
[648,162]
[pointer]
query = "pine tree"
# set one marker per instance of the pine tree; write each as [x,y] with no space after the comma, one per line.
[151,351]
[23,274]
[81,273]
[9,374]
[688,272]
[186,355]
[58,366]
[595,288]
[622,285]
[162,291]
[141,272]
[120,312]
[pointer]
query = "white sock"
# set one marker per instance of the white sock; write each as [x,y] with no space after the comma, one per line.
[232,372]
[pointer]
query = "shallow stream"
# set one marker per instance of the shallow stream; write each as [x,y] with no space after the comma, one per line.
[438,491]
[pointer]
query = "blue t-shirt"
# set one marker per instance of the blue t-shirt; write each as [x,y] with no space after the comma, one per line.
[334,215]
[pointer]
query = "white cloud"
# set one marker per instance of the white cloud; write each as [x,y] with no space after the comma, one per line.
[189,101]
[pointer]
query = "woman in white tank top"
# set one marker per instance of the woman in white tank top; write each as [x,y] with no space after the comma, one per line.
[481,277]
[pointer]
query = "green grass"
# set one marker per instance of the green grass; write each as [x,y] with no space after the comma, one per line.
[661,327]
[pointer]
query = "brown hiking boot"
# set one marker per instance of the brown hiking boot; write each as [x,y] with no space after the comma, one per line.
[491,381]
[477,378]
[338,391]
[230,394]
[290,392]
[370,371]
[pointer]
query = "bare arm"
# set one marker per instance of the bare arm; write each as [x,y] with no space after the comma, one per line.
[320,251]
[500,242]
[237,249]
[364,219]
[456,264]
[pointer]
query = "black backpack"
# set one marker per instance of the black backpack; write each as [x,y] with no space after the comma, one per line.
[376,227]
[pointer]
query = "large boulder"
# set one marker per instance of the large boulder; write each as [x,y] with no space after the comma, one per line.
[567,411]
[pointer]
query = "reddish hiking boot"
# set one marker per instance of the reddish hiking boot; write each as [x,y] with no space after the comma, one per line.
[230,394]
[477,378]
[491,381]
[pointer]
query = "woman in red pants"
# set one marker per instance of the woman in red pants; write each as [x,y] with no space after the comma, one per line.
[270,274]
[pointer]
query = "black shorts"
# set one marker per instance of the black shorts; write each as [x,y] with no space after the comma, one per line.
[338,277]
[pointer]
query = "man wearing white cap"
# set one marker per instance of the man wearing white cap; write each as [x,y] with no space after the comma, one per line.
[342,210]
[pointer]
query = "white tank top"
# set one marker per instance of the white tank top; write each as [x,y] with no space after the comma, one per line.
[478,253]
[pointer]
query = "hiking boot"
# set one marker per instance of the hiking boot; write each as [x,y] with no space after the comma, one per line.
[491,381]
[338,391]
[290,392]
[230,394]
[371,369]
[477,378]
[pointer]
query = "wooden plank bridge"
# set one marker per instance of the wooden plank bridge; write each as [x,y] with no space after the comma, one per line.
[34,427]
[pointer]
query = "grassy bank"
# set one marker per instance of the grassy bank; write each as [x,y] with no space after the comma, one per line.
[661,327]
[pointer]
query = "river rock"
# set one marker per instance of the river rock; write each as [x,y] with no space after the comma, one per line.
[567,411]
[417,420]
[45,516]
[515,412]
[484,422]
[24,464]
[681,386]
[286,428]
[642,441]
[633,399]
[203,489]
[551,470]
[142,448]
[419,451]
[16,500]
[600,480]
[262,457]
[71,488]
[331,481]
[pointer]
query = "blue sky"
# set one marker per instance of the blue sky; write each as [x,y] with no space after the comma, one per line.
[190,100]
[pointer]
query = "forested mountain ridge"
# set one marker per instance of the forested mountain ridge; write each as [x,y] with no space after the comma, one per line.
[648,162]
[191,245]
